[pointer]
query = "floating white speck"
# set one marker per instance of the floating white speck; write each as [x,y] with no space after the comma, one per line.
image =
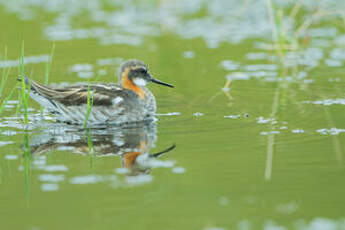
[27,60]
[233,116]
[308,81]
[327,102]
[325,224]
[178,170]
[85,75]
[188,54]
[214,228]
[269,133]
[198,114]
[283,127]
[229,65]
[257,56]
[337,54]
[109,61]
[9,133]
[337,79]
[331,131]
[88,179]
[55,168]
[287,208]
[122,170]
[262,120]
[139,179]
[11,157]
[102,72]
[258,67]
[237,76]
[333,63]
[169,114]
[51,178]
[2,143]
[297,131]
[149,162]
[81,68]
[49,187]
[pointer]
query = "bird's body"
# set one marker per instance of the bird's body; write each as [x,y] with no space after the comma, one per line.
[126,102]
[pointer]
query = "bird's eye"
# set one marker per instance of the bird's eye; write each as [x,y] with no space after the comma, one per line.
[143,71]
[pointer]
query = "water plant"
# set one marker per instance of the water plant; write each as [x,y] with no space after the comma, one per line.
[90,100]
[49,64]
[5,73]
[24,88]
[27,163]
[90,147]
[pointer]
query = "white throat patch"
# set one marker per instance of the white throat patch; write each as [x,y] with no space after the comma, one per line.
[139,81]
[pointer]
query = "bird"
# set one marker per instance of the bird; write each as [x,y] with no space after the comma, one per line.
[128,101]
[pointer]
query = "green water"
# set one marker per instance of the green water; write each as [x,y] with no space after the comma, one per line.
[263,155]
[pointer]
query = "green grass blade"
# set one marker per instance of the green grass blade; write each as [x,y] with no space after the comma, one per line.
[23,90]
[49,64]
[90,100]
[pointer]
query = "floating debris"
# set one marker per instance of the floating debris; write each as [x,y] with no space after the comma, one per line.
[337,79]
[287,208]
[49,187]
[229,65]
[110,61]
[238,76]
[51,178]
[55,168]
[233,116]
[188,54]
[11,157]
[3,143]
[85,74]
[178,170]
[81,68]
[27,60]
[269,133]
[198,114]
[297,131]
[332,131]
[327,102]
[262,120]
[214,228]
[169,114]
[122,170]
[139,179]
[144,160]
[88,179]
[333,63]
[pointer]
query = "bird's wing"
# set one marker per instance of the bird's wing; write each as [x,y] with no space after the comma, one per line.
[99,94]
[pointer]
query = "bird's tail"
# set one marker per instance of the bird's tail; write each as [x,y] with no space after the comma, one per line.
[38,88]
[42,94]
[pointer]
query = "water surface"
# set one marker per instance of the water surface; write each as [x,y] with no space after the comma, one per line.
[259,145]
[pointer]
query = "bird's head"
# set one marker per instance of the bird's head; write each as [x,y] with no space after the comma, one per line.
[136,72]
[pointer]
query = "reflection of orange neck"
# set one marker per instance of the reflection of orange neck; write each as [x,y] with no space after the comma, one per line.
[128,84]
[129,159]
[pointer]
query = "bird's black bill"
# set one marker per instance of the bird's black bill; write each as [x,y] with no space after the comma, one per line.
[164,151]
[161,83]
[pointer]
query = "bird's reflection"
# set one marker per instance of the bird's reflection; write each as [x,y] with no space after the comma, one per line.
[132,144]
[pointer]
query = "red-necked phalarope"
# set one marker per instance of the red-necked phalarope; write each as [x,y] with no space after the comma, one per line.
[125,102]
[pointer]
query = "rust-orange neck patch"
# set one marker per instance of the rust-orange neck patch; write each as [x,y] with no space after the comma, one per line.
[128,84]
